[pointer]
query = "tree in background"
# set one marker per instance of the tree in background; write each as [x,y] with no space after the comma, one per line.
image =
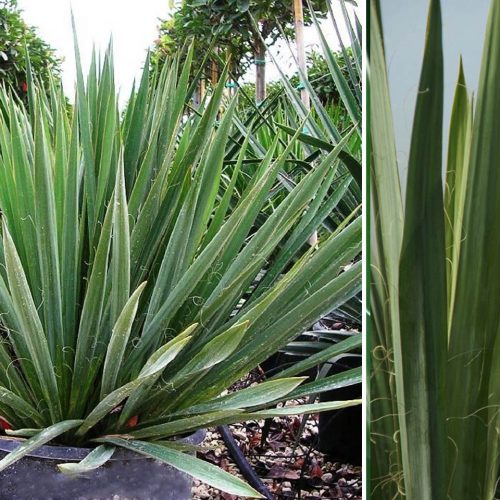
[230,23]
[15,39]
[319,77]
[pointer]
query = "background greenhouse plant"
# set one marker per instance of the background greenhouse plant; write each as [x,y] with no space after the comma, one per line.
[123,269]
[322,128]
[435,388]
[271,125]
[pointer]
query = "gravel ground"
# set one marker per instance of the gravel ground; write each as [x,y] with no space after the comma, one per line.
[286,458]
[290,466]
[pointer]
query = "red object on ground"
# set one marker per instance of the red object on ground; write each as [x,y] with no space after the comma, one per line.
[133,421]
[316,471]
[4,424]
[24,87]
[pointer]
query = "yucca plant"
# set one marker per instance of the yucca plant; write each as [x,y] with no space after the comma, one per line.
[279,118]
[435,393]
[123,271]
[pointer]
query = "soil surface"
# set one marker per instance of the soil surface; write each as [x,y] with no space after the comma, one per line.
[287,461]
[284,453]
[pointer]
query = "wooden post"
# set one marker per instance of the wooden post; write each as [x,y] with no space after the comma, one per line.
[301,50]
[202,90]
[260,70]
[214,74]
[301,59]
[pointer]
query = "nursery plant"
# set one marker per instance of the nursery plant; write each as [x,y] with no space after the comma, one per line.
[321,128]
[435,274]
[124,274]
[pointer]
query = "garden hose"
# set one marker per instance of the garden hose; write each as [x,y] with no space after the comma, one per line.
[246,469]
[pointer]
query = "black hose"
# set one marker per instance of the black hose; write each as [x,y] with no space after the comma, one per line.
[245,468]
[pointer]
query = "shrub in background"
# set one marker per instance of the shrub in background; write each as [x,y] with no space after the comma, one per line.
[16,40]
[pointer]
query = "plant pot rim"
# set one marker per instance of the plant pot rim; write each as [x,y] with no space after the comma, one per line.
[75,454]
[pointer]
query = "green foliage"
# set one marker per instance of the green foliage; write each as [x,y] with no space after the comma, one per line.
[228,22]
[128,267]
[319,76]
[16,39]
[323,124]
[435,282]
[278,118]
[321,79]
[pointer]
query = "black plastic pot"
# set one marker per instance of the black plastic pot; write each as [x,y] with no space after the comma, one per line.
[340,431]
[126,476]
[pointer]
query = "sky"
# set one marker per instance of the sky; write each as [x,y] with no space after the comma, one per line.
[134,27]
[404,21]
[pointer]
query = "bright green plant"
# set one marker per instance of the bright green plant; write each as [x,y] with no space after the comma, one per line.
[435,393]
[122,270]
[320,131]
[322,128]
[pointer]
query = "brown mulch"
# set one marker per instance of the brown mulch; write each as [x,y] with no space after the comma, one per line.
[290,466]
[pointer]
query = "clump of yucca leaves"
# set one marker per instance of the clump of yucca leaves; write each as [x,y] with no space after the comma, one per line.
[123,263]
[435,391]
[283,115]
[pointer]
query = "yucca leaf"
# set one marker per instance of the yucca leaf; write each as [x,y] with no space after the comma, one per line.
[90,320]
[262,243]
[341,84]
[25,433]
[20,406]
[422,282]
[112,400]
[208,179]
[97,457]
[106,134]
[349,161]
[70,236]
[135,132]
[321,357]
[355,40]
[456,180]
[213,352]
[118,342]
[186,424]
[29,321]
[257,395]
[120,251]
[386,396]
[38,440]
[316,213]
[10,376]
[474,324]
[22,169]
[290,325]
[222,208]
[168,352]
[303,409]
[86,138]
[343,379]
[199,469]
[48,248]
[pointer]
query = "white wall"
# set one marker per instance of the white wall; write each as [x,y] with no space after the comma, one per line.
[404,21]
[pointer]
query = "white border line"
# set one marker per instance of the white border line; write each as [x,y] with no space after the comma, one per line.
[365,236]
